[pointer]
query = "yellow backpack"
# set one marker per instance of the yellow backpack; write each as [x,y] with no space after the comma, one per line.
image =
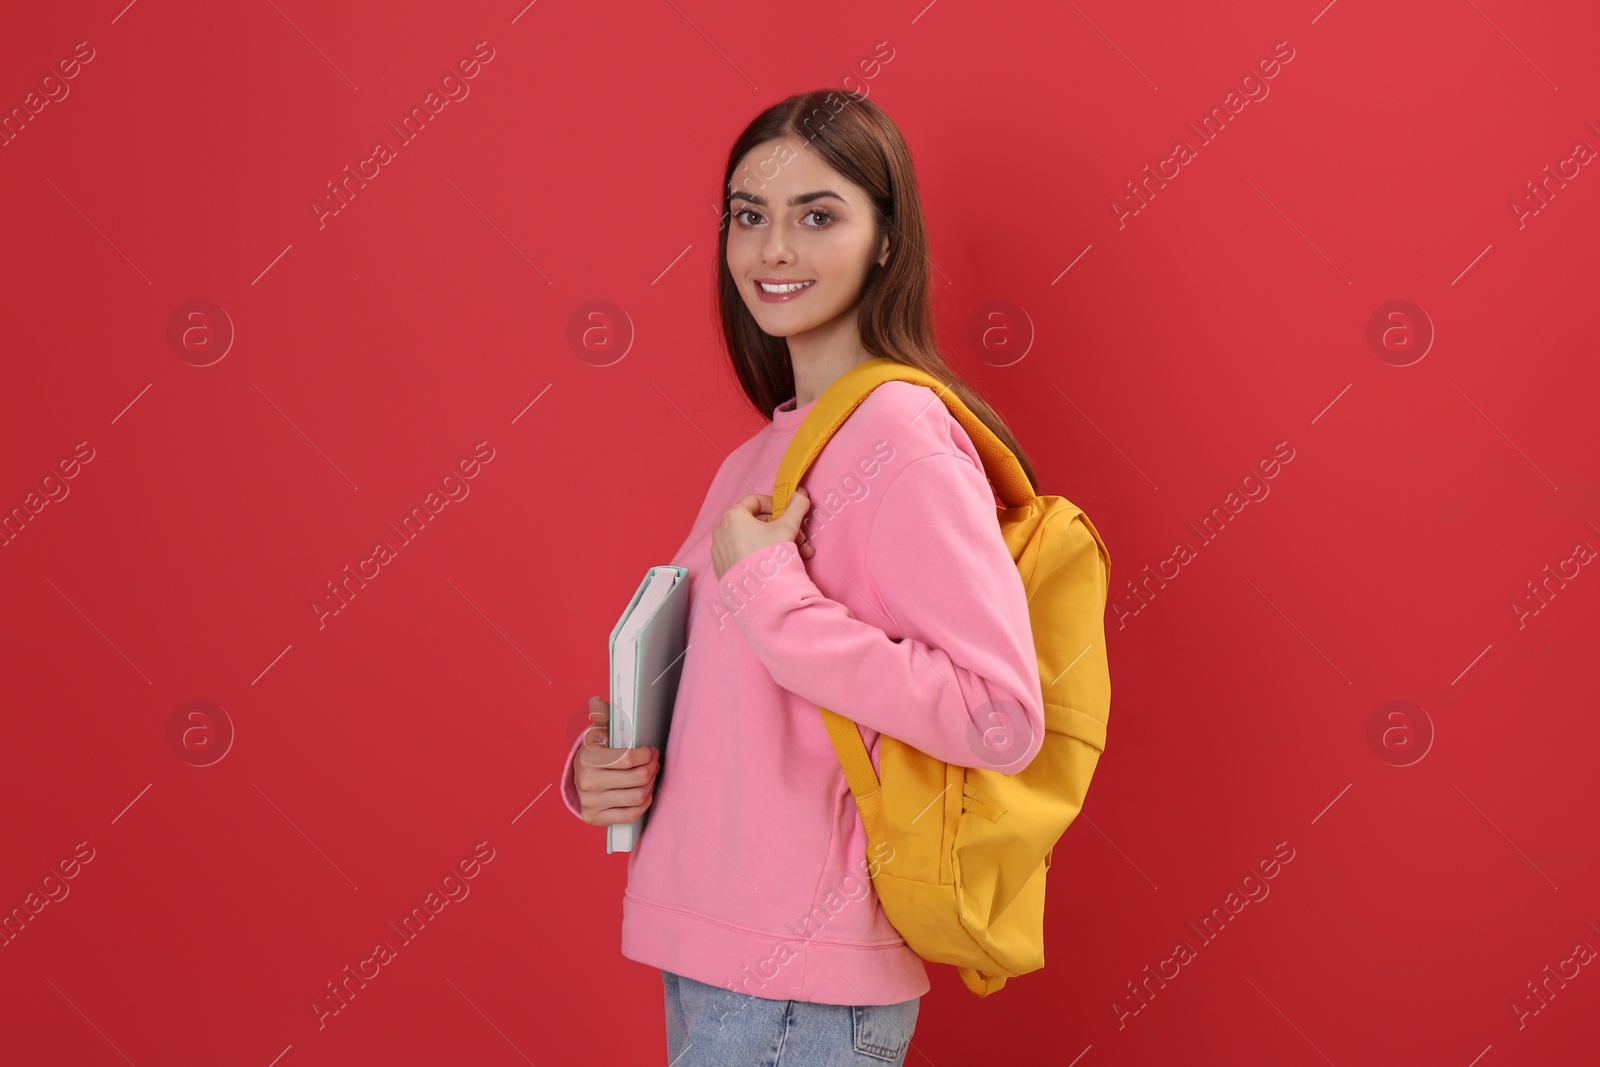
[968,889]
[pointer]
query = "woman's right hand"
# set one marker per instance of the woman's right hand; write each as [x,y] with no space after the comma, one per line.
[615,785]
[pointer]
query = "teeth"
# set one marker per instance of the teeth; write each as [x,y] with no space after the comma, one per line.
[795,287]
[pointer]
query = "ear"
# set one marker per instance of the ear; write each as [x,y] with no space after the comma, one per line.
[883,251]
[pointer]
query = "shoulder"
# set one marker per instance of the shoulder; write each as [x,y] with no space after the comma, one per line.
[911,419]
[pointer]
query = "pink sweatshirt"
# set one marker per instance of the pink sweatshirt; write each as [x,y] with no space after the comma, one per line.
[752,872]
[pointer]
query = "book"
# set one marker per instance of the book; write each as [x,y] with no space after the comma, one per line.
[648,645]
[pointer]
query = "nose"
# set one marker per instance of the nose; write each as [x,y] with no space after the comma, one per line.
[775,249]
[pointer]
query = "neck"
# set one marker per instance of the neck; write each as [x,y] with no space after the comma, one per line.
[822,355]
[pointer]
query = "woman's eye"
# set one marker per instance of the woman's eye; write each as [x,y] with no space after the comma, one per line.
[818,211]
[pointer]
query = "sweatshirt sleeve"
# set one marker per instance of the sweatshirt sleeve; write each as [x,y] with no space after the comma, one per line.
[961,682]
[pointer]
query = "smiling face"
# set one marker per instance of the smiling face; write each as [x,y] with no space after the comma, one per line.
[793,219]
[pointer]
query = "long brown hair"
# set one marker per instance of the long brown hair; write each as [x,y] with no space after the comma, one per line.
[859,140]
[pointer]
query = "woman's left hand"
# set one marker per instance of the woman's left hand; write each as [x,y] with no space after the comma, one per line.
[749,525]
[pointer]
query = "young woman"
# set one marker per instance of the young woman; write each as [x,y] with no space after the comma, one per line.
[884,592]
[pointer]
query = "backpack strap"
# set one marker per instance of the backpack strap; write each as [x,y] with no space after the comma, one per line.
[832,408]
[853,757]
[847,392]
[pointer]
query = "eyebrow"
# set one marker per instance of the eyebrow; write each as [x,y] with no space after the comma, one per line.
[794,201]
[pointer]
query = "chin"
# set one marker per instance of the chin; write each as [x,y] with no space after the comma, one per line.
[775,333]
[775,327]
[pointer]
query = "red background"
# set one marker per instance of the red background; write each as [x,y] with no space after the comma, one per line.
[377,747]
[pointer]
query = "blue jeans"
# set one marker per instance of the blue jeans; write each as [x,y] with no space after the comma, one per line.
[708,1026]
